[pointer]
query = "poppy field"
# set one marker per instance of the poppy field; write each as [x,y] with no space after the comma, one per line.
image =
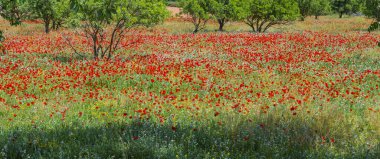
[302,94]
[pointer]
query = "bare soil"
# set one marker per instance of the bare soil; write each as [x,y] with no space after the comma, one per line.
[174,10]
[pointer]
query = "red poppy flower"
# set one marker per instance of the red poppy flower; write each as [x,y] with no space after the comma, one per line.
[174,128]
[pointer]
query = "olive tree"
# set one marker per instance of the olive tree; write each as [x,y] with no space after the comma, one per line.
[198,11]
[304,7]
[260,15]
[14,11]
[52,12]
[223,11]
[61,12]
[319,7]
[43,9]
[373,11]
[105,22]
[345,6]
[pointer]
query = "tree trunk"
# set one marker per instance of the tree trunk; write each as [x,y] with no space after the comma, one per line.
[303,15]
[47,26]
[341,15]
[316,17]
[197,24]
[54,25]
[259,28]
[253,28]
[196,29]
[59,24]
[95,49]
[109,56]
[221,24]
[302,18]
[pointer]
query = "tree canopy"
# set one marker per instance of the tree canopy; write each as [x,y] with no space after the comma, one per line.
[14,10]
[223,11]
[260,15]
[199,12]
[319,7]
[98,15]
[304,7]
[346,6]
[373,11]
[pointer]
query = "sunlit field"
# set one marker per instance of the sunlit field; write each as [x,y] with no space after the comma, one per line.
[304,90]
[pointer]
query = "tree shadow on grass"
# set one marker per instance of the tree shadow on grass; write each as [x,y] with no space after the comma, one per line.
[150,140]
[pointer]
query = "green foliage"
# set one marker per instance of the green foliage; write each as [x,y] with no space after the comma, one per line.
[372,9]
[172,3]
[104,12]
[260,15]
[50,11]
[346,6]
[313,7]
[305,8]
[198,10]
[44,10]
[223,11]
[61,11]
[14,10]
[374,26]
[319,7]
[97,15]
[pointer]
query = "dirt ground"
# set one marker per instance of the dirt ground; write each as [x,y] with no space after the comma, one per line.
[174,10]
